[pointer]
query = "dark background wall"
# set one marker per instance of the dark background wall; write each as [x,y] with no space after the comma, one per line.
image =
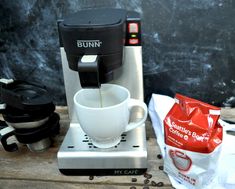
[188,45]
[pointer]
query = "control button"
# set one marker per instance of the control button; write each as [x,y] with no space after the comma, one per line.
[133,41]
[133,28]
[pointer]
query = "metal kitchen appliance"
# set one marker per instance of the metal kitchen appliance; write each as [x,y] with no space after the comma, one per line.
[99,46]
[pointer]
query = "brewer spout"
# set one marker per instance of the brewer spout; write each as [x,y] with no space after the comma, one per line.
[88,70]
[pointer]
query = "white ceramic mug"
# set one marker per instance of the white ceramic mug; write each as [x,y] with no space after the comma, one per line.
[104,125]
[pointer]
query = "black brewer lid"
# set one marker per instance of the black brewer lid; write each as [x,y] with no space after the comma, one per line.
[24,95]
[14,115]
[96,17]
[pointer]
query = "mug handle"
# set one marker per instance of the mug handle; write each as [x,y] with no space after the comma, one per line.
[5,133]
[133,103]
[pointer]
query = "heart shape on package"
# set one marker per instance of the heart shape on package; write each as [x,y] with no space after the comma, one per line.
[181,161]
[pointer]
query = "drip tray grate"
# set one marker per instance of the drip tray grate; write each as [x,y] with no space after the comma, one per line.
[90,144]
[77,140]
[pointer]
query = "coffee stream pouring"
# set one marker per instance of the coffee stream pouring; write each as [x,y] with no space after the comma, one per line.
[102,46]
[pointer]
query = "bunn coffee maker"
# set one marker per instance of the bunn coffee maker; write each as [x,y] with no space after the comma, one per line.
[99,46]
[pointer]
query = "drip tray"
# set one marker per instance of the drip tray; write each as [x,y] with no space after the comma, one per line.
[78,156]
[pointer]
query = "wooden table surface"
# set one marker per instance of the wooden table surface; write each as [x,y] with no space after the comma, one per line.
[27,170]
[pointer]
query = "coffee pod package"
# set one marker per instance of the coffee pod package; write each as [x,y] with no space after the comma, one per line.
[190,135]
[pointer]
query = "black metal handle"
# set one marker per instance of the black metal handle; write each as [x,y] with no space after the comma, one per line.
[5,133]
[88,68]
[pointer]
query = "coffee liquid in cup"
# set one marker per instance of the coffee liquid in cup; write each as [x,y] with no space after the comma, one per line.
[106,100]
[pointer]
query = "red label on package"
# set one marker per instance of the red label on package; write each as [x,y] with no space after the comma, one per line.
[193,125]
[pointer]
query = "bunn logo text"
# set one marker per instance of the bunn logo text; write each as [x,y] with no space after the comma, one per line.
[89,43]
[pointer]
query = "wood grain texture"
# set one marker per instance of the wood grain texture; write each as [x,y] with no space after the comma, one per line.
[25,184]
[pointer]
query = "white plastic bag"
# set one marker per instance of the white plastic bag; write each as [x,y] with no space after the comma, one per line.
[216,174]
